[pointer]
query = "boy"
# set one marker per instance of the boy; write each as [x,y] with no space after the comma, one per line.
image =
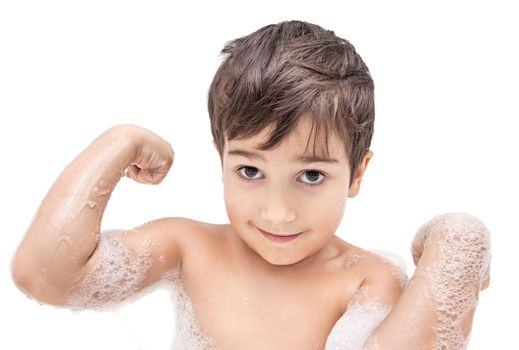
[292,112]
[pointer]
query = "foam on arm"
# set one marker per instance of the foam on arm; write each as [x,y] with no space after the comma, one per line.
[437,307]
[356,325]
[116,274]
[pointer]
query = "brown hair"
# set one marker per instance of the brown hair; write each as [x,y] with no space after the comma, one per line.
[284,70]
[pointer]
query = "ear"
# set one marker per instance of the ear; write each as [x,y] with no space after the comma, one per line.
[359,173]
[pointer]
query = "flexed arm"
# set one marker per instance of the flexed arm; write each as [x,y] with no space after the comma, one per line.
[452,253]
[53,256]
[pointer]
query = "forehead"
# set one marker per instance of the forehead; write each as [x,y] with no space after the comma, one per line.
[304,144]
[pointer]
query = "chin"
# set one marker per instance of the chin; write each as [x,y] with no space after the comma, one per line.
[280,261]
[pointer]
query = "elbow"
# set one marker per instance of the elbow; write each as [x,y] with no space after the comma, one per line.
[31,282]
[19,273]
[23,279]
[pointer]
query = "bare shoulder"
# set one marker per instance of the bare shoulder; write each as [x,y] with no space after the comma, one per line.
[199,235]
[193,242]
[169,235]
[179,235]
[383,277]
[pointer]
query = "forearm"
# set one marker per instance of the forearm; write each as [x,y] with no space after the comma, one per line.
[65,229]
[437,308]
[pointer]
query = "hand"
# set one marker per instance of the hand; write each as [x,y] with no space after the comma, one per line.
[153,157]
[452,231]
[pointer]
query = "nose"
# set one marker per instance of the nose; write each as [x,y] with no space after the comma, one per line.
[278,208]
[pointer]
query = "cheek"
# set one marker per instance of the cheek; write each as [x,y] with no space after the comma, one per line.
[237,203]
[328,209]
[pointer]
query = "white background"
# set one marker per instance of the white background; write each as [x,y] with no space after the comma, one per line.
[445,133]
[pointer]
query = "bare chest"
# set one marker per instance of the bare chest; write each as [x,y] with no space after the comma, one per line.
[241,308]
[240,317]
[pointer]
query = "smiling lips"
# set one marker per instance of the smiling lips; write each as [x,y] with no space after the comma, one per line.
[279,238]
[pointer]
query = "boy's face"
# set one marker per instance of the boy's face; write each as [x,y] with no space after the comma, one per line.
[277,193]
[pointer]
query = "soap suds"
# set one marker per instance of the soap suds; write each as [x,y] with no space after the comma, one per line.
[188,334]
[356,325]
[457,274]
[117,276]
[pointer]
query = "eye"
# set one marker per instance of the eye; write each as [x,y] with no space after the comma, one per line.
[315,177]
[248,172]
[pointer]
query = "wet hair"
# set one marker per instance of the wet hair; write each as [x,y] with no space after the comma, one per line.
[284,71]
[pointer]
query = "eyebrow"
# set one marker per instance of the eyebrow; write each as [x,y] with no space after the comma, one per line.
[301,159]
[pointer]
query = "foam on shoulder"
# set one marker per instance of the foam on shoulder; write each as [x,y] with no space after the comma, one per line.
[399,267]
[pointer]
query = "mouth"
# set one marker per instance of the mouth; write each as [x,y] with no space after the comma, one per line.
[278,237]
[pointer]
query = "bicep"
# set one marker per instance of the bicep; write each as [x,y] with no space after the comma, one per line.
[125,262]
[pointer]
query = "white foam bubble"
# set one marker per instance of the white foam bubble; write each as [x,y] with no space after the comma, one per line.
[188,334]
[115,282]
[457,273]
[356,325]
[117,275]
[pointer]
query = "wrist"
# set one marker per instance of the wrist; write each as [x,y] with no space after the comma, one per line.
[457,245]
